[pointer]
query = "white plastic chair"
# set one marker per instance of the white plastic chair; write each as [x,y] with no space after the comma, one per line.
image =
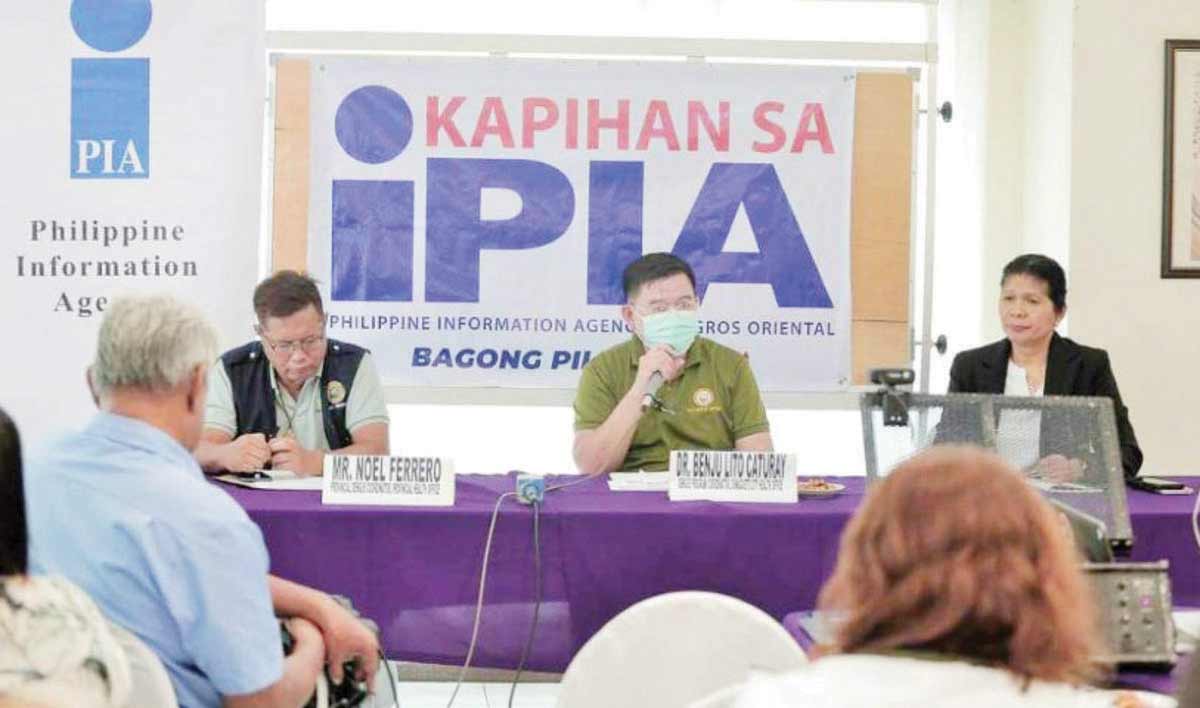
[674,649]
[151,685]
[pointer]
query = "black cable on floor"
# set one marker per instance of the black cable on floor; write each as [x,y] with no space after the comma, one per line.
[391,679]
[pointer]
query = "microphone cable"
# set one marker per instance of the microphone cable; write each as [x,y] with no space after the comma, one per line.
[487,549]
[537,602]
[1195,522]
[391,679]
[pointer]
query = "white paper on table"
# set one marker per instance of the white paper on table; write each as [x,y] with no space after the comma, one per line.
[639,481]
[1148,699]
[1187,630]
[279,480]
[1046,485]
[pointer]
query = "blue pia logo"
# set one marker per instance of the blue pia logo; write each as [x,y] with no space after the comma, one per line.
[110,96]
[372,220]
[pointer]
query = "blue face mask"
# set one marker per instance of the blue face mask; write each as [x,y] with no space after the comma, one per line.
[675,328]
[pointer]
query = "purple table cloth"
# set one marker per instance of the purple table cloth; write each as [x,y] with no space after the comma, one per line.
[416,571]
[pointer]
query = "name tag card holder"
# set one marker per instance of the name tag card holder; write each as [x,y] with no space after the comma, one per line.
[733,476]
[378,480]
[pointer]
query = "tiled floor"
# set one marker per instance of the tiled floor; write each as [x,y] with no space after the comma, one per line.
[435,694]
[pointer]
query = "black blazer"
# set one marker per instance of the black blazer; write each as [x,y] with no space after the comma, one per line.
[1071,370]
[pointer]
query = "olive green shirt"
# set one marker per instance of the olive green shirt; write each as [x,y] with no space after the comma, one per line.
[710,406]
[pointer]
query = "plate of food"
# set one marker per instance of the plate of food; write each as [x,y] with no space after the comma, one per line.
[815,487]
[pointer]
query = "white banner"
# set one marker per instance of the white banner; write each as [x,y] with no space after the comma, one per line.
[135,132]
[470,218]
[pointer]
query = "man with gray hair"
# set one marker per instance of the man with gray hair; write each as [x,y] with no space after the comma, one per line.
[123,510]
[292,396]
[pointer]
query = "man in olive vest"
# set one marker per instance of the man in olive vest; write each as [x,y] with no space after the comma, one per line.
[289,397]
[702,395]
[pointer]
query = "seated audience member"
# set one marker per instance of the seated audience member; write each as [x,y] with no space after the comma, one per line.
[955,585]
[56,649]
[295,395]
[123,510]
[1033,360]
[708,399]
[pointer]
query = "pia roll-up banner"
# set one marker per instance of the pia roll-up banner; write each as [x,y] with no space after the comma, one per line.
[471,218]
[134,135]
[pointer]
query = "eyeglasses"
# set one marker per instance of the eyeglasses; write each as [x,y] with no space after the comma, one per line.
[686,304]
[289,347]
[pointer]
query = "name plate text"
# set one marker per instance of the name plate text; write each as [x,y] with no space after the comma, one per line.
[732,476]
[378,480]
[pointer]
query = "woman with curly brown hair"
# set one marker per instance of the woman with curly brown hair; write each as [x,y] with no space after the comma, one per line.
[956,585]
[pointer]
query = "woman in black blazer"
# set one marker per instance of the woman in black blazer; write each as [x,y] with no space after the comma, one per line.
[1033,359]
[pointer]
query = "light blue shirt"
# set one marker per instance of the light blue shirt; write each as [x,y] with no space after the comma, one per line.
[123,511]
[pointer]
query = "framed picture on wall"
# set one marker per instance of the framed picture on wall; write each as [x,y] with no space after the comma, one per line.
[1181,161]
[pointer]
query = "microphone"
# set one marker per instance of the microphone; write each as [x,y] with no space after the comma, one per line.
[656,380]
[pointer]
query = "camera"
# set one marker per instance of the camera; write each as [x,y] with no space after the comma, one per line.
[892,377]
[350,692]
[895,403]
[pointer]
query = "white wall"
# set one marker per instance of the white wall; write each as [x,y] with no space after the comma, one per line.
[1009,75]
[1149,326]
[1058,149]
[1055,147]
[985,165]
[960,214]
[1047,138]
[824,20]
[538,439]
[1026,136]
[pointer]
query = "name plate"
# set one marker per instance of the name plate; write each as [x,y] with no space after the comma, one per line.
[732,476]
[377,480]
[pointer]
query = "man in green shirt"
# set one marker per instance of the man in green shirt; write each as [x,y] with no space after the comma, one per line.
[706,397]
